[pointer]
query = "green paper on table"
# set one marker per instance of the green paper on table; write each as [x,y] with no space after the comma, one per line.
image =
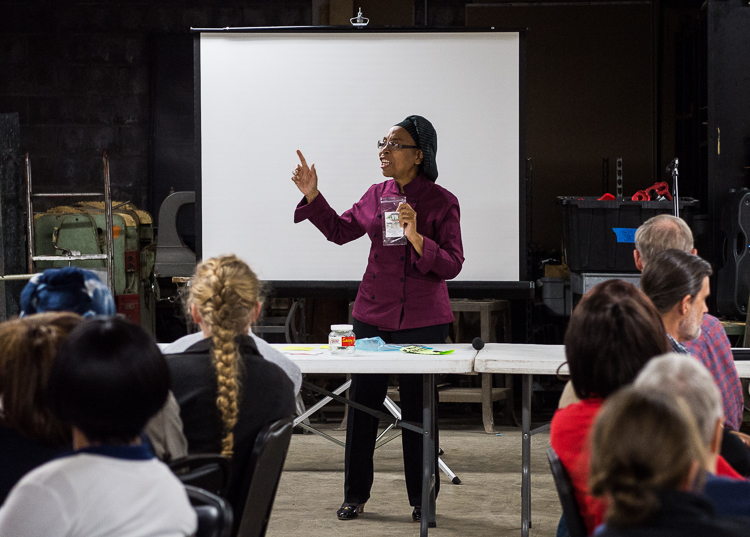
[416,349]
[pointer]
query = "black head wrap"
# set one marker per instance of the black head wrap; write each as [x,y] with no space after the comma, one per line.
[426,139]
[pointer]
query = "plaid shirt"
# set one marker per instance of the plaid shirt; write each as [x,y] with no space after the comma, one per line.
[714,351]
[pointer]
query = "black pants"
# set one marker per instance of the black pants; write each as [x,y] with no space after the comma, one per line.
[362,428]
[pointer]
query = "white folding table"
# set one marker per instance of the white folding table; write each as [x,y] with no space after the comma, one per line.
[460,361]
[743,368]
[525,360]
[530,360]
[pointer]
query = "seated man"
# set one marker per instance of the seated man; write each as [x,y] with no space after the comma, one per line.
[680,375]
[678,285]
[108,379]
[665,232]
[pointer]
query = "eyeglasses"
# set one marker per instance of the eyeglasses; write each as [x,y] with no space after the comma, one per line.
[394,146]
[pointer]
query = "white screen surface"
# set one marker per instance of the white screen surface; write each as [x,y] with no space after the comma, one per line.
[333,95]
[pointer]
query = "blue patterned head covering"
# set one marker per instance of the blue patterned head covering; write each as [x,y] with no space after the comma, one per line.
[67,289]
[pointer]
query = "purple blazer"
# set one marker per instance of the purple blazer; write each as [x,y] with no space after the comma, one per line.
[400,289]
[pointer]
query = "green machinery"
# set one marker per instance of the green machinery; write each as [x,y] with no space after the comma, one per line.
[80,229]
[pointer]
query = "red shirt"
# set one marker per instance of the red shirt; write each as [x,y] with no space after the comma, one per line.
[400,289]
[569,437]
[723,469]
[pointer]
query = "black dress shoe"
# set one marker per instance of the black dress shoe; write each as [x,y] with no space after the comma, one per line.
[349,511]
[416,515]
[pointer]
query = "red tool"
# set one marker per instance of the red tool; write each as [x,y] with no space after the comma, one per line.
[606,197]
[655,191]
[660,189]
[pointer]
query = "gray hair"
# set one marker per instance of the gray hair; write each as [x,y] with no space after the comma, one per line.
[662,232]
[680,375]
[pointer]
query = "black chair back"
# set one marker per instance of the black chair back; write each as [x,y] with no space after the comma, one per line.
[564,486]
[214,513]
[206,471]
[264,472]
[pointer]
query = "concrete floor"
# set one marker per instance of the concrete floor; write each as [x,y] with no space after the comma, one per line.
[487,502]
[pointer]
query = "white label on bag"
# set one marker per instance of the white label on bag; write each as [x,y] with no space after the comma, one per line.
[392,228]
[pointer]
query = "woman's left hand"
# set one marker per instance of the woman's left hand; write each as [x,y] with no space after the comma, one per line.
[407,218]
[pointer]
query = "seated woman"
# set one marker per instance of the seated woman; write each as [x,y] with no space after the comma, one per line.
[108,379]
[647,463]
[612,333]
[226,390]
[30,434]
[80,291]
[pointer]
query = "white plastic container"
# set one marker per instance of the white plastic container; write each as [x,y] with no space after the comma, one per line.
[341,339]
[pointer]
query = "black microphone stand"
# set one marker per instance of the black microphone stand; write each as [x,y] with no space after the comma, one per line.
[675,187]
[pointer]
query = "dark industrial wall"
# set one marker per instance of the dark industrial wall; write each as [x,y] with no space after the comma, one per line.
[726,143]
[728,92]
[116,75]
[12,224]
[590,92]
[77,73]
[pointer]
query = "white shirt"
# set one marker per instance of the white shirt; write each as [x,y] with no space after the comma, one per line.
[268,352]
[92,495]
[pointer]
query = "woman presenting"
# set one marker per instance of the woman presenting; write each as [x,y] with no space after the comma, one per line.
[403,297]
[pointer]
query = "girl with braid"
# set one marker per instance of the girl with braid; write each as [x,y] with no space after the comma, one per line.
[226,390]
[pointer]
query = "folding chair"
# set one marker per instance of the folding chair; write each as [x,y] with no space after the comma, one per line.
[214,513]
[209,472]
[264,472]
[564,486]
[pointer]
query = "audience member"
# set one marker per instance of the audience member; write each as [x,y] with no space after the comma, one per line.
[612,333]
[107,380]
[647,462]
[678,285]
[80,291]
[30,434]
[712,348]
[226,390]
[266,351]
[680,375]
[67,289]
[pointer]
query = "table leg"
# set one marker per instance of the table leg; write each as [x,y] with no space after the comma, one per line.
[428,454]
[320,404]
[526,383]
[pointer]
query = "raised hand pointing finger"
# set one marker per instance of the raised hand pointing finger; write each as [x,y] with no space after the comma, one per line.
[305,178]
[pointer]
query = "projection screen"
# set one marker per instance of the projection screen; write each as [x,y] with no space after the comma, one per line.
[333,95]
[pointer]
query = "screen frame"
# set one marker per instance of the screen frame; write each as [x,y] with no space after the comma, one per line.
[521,289]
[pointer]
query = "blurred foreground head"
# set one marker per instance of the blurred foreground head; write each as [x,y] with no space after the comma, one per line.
[612,333]
[29,346]
[643,444]
[108,380]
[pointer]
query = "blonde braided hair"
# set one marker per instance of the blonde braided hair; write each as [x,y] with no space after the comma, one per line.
[225,292]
